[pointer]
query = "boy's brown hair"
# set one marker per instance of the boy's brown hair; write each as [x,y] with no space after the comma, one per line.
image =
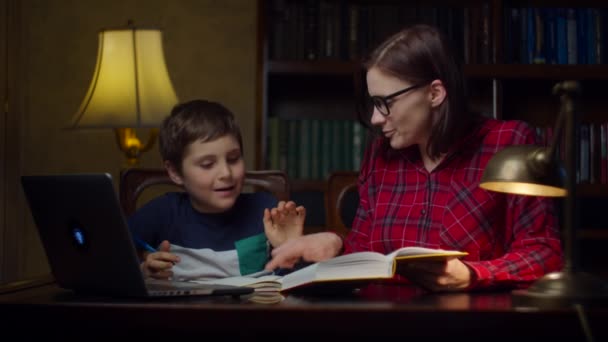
[191,121]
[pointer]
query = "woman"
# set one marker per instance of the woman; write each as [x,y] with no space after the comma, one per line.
[419,180]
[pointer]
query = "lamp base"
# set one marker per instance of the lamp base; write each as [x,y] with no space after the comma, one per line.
[559,289]
[129,143]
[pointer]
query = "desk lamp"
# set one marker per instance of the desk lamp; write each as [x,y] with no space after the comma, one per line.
[536,171]
[131,88]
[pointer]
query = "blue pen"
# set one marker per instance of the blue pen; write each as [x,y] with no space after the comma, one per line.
[144,245]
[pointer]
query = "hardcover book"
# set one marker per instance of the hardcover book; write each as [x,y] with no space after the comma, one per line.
[350,268]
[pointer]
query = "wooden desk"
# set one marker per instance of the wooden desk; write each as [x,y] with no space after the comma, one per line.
[374,312]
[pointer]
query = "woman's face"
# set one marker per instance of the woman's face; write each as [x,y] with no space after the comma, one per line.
[410,117]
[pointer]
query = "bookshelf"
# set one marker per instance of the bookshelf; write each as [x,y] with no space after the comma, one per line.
[310,70]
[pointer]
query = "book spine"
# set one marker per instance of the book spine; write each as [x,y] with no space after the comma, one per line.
[315,142]
[581,36]
[274,142]
[562,36]
[325,153]
[357,145]
[292,149]
[304,150]
[604,152]
[571,36]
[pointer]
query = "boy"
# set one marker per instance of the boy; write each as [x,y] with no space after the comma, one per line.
[211,230]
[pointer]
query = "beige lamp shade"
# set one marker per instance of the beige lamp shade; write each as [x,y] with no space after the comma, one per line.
[131,85]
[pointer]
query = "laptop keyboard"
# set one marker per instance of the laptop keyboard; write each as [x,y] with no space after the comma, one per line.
[176,288]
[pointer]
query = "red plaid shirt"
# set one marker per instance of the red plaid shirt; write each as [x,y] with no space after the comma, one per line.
[511,240]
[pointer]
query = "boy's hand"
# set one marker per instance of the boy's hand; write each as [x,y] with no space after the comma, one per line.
[284,222]
[158,264]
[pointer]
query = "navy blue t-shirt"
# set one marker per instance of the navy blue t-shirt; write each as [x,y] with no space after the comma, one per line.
[171,217]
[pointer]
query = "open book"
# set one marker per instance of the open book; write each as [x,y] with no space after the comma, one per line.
[360,266]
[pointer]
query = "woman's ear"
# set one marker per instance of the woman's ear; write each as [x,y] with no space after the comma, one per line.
[173,173]
[437,93]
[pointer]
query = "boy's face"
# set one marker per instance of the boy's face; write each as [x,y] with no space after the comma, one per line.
[212,173]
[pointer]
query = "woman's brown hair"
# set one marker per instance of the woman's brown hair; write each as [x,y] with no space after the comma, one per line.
[420,54]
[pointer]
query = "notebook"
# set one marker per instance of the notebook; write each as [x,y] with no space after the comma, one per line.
[87,241]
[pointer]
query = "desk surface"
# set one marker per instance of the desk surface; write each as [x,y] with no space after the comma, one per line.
[374,311]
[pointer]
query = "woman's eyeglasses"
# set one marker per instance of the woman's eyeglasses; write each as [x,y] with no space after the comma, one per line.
[381,102]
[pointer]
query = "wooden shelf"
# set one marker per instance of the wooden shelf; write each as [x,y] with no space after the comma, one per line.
[593,234]
[474,71]
[320,67]
[308,185]
[555,3]
[592,190]
[537,71]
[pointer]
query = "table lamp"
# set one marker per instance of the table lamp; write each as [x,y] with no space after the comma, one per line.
[130,88]
[536,171]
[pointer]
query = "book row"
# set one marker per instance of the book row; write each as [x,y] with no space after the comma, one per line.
[310,149]
[347,30]
[556,35]
[592,150]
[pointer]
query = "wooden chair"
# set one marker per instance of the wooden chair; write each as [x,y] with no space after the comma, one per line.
[339,186]
[134,181]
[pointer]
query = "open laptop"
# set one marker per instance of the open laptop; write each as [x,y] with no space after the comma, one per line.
[88,243]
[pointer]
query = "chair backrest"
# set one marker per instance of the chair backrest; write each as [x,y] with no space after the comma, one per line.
[341,200]
[134,181]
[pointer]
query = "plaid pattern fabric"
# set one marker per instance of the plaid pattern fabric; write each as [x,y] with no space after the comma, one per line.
[511,240]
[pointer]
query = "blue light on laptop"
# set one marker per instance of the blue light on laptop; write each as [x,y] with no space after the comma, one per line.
[78,236]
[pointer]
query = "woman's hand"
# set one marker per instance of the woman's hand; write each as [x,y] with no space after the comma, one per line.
[158,264]
[284,222]
[312,248]
[438,276]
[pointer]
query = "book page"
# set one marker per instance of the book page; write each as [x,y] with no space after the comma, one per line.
[361,265]
[423,253]
[266,281]
[356,265]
